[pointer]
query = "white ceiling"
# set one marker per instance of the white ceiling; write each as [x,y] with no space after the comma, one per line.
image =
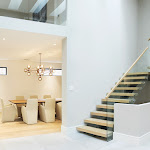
[20,45]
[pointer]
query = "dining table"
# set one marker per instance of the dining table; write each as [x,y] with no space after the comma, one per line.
[20,103]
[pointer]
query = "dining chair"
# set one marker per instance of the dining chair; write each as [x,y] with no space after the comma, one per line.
[30,112]
[19,105]
[47,112]
[9,112]
[59,110]
[46,96]
[34,97]
[19,97]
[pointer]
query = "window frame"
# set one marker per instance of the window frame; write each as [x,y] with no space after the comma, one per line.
[3,74]
[54,75]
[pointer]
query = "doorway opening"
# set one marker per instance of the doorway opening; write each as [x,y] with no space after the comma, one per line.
[19,50]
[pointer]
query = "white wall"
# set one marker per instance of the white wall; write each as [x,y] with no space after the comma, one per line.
[144,24]
[17,83]
[101,46]
[144,33]
[127,119]
[132,122]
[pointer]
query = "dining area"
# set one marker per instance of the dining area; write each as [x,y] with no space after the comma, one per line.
[32,109]
[30,92]
[30,116]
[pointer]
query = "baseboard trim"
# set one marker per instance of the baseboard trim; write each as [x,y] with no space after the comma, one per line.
[132,139]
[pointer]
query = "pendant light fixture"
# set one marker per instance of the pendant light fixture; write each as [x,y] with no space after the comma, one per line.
[39,70]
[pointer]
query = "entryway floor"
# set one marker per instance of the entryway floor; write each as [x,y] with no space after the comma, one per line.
[57,141]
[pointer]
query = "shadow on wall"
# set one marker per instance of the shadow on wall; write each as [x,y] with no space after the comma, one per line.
[143,95]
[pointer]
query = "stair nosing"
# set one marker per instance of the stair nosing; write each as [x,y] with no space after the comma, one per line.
[124,94]
[99,122]
[102,113]
[128,88]
[97,131]
[131,83]
[105,106]
[117,100]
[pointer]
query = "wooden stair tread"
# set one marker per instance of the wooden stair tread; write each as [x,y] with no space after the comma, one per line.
[102,113]
[105,106]
[95,131]
[138,73]
[128,88]
[123,83]
[99,122]
[117,100]
[124,94]
[135,78]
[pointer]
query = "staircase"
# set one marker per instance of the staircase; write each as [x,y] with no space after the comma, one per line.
[101,121]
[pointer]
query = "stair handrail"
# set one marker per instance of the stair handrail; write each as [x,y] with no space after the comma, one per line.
[112,90]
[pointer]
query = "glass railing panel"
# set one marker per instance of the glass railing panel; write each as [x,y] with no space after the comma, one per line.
[128,89]
[46,11]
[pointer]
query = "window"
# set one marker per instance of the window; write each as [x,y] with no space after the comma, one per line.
[3,70]
[57,72]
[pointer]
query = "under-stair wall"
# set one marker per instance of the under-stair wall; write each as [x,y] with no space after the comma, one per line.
[131,123]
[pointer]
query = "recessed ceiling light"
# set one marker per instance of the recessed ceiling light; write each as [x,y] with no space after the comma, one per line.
[54,44]
[4,39]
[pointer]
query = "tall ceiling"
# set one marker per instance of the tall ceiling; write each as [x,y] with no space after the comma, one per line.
[18,45]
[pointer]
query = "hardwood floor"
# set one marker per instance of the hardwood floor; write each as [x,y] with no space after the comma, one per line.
[20,129]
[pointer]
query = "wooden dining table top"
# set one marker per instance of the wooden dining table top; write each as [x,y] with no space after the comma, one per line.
[25,101]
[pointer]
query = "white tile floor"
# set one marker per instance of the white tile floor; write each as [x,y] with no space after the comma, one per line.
[56,141]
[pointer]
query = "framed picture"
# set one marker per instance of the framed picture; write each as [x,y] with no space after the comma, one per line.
[3,70]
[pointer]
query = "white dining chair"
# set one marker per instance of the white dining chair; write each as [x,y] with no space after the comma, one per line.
[46,96]
[9,112]
[59,110]
[47,112]
[30,112]
[19,105]
[19,97]
[34,97]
